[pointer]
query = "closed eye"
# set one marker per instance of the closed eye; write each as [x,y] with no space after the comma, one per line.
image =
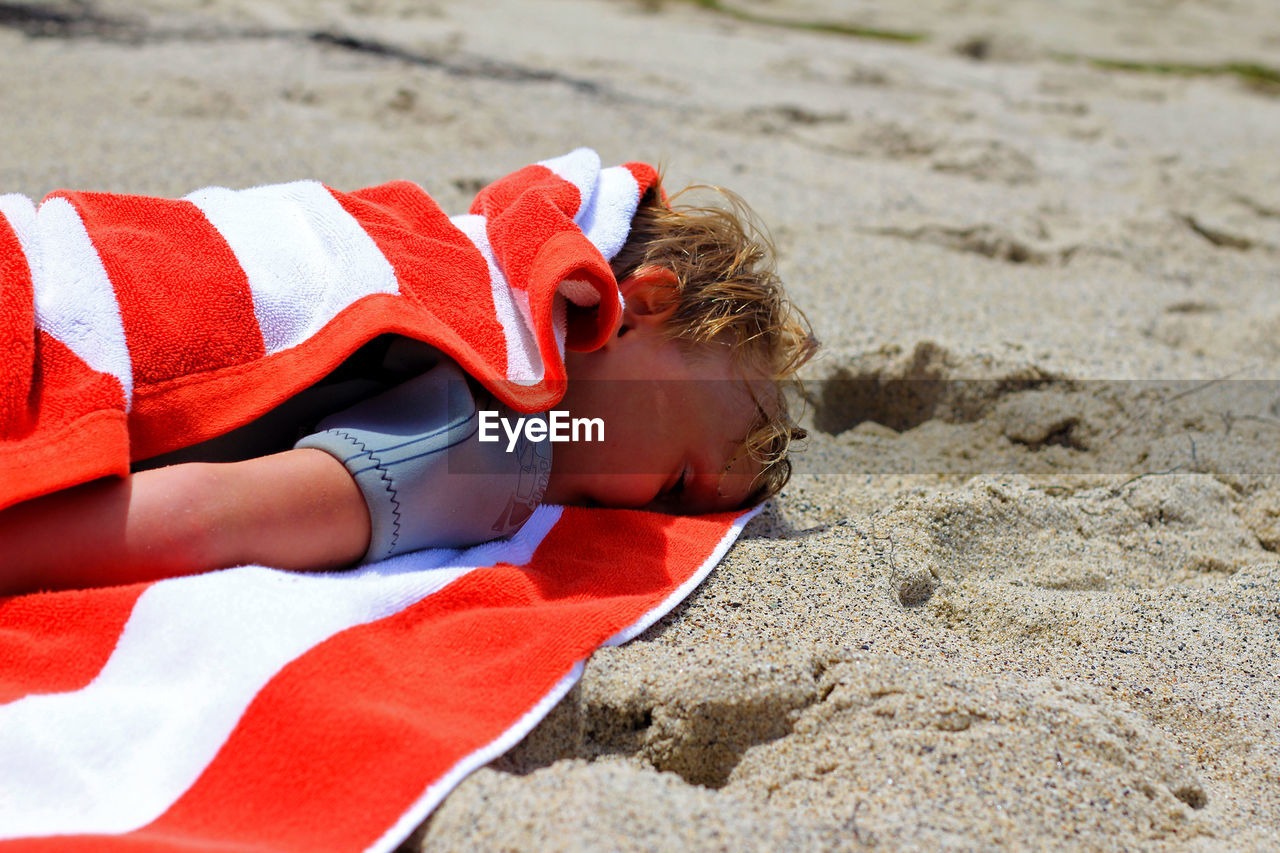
[676,489]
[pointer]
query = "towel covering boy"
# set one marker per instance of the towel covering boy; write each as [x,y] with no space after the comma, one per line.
[138,327]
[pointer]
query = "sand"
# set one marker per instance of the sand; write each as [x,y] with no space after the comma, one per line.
[1023,590]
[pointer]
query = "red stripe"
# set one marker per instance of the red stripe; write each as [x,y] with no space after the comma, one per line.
[79,432]
[18,331]
[436,265]
[58,642]
[522,212]
[504,192]
[345,739]
[184,300]
[645,176]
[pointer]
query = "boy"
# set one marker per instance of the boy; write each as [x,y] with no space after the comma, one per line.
[685,378]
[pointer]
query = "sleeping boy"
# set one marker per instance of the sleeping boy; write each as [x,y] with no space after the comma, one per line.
[666,318]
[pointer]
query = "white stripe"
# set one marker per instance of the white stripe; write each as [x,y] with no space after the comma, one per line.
[606,217]
[511,307]
[74,299]
[581,168]
[306,258]
[112,757]
[607,198]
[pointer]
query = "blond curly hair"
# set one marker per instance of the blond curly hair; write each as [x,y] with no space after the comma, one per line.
[727,292]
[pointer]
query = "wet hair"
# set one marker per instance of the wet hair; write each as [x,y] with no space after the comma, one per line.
[727,293]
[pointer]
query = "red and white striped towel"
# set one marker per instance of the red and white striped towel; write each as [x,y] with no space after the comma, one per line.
[264,710]
[134,325]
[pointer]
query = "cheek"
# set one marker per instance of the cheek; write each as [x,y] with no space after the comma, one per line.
[628,449]
[625,491]
[636,427]
[622,491]
[628,469]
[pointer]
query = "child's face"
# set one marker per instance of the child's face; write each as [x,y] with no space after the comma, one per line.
[674,424]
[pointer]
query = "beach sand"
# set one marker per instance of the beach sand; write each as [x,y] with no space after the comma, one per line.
[1023,590]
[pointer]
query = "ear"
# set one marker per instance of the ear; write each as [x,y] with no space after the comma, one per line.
[649,294]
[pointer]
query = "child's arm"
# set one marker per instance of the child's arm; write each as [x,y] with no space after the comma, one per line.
[294,510]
